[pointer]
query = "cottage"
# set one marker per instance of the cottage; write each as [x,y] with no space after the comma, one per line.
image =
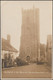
[9,53]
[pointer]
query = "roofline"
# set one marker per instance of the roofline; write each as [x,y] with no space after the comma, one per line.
[9,50]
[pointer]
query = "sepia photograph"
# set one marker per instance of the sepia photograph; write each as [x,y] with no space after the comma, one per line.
[26,39]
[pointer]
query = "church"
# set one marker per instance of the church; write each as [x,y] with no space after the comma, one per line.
[30,35]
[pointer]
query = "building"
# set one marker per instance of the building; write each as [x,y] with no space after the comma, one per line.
[30,35]
[42,52]
[9,53]
[49,50]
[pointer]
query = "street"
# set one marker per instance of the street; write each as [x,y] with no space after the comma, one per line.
[27,71]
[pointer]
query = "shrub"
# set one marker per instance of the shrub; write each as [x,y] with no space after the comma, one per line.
[20,62]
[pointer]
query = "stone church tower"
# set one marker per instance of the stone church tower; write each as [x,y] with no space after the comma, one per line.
[30,35]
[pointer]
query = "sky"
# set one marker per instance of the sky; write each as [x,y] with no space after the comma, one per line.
[11,19]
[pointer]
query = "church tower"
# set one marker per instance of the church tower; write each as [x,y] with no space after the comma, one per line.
[30,35]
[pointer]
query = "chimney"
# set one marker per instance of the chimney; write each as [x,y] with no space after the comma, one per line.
[8,39]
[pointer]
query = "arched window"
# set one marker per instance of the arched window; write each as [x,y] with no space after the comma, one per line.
[28,58]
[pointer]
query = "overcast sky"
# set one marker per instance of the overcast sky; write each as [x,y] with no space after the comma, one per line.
[11,19]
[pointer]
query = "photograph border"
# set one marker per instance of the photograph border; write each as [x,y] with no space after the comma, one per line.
[0,47]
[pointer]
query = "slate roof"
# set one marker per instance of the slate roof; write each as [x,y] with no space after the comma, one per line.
[7,47]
